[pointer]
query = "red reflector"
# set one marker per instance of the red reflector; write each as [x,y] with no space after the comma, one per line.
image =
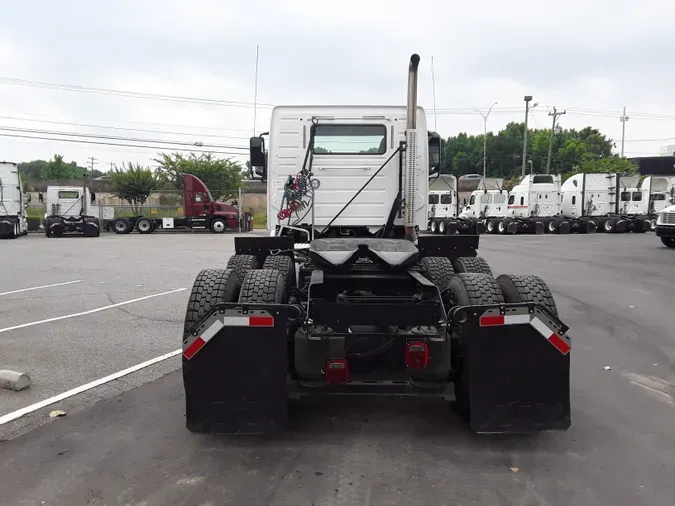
[192,350]
[261,321]
[491,321]
[337,371]
[559,343]
[416,355]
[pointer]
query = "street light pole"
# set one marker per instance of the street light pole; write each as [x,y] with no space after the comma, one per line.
[624,118]
[485,118]
[527,113]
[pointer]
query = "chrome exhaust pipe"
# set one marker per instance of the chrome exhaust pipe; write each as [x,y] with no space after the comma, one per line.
[411,172]
[411,117]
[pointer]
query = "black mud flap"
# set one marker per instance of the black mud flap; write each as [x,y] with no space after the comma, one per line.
[539,228]
[564,227]
[512,227]
[515,369]
[235,369]
[451,228]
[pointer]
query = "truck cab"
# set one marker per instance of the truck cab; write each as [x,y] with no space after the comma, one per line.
[338,170]
[71,210]
[13,202]
[537,195]
[665,226]
[659,193]
[487,205]
[442,201]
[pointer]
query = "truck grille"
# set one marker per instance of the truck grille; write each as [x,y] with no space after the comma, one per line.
[668,218]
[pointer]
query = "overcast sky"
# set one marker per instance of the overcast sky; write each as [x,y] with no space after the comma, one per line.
[591,57]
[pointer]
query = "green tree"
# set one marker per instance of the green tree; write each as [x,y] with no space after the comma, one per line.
[223,177]
[134,184]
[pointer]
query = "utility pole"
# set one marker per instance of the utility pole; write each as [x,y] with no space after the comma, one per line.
[623,118]
[527,113]
[485,118]
[255,90]
[112,165]
[92,161]
[555,115]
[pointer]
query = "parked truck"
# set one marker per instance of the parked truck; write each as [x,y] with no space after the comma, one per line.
[487,207]
[344,297]
[202,212]
[602,199]
[658,192]
[72,210]
[665,226]
[13,221]
[445,210]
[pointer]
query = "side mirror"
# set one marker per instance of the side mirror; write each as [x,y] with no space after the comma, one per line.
[434,153]
[258,157]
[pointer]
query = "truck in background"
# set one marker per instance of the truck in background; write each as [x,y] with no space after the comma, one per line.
[13,221]
[598,198]
[487,207]
[202,212]
[665,226]
[72,210]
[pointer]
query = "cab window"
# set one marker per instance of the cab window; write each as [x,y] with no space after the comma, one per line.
[522,201]
[446,198]
[512,199]
[499,198]
[637,196]
[625,196]
[472,200]
[433,198]
[486,198]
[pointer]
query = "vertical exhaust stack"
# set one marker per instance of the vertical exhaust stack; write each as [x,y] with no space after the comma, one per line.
[411,170]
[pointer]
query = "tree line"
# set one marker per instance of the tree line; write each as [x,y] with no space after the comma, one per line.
[585,150]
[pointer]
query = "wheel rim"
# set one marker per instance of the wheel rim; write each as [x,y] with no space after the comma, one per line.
[144,226]
[120,226]
[433,227]
[608,226]
[441,228]
[653,224]
[501,226]
[491,226]
[551,226]
[218,226]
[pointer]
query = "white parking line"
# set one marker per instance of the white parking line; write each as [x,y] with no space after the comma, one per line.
[43,286]
[30,324]
[39,405]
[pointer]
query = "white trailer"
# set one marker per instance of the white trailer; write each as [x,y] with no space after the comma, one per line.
[598,198]
[72,210]
[13,221]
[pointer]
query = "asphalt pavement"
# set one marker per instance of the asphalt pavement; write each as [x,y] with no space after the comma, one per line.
[126,442]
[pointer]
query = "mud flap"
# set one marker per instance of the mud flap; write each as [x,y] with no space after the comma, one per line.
[539,228]
[564,227]
[515,369]
[235,369]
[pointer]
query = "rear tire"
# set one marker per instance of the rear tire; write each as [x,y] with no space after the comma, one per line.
[285,265]
[474,289]
[668,241]
[501,227]
[438,270]
[442,228]
[552,227]
[491,226]
[527,288]
[262,286]
[211,287]
[433,227]
[144,226]
[121,226]
[472,264]
[242,264]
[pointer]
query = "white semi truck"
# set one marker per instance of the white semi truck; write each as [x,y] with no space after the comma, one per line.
[665,226]
[604,199]
[13,221]
[71,210]
[445,215]
[487,207]
[350,300]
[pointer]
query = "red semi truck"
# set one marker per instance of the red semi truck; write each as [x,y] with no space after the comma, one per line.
[202,211]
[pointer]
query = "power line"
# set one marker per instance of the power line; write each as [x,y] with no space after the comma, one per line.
[158,148]
[118,138]
[128,94]
[104,127]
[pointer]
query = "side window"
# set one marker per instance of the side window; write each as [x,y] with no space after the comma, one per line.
[625,196]
[637,196]
[522,201]
[472,200]
[199,197]
[499,198]
[485,198]
[512,199]
[446,198]
[433,198]
[574,200]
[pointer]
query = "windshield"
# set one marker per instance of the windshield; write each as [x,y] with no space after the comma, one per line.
[350,140]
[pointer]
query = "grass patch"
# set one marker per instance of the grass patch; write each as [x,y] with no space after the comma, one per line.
[260,220]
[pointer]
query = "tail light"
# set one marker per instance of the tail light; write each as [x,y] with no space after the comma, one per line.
[416,355]
[337,371]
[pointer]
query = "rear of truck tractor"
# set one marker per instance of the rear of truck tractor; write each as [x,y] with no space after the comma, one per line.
[372,316]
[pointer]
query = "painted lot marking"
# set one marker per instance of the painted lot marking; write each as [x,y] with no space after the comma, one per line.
[83,313]
[43,286]
[83,388]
